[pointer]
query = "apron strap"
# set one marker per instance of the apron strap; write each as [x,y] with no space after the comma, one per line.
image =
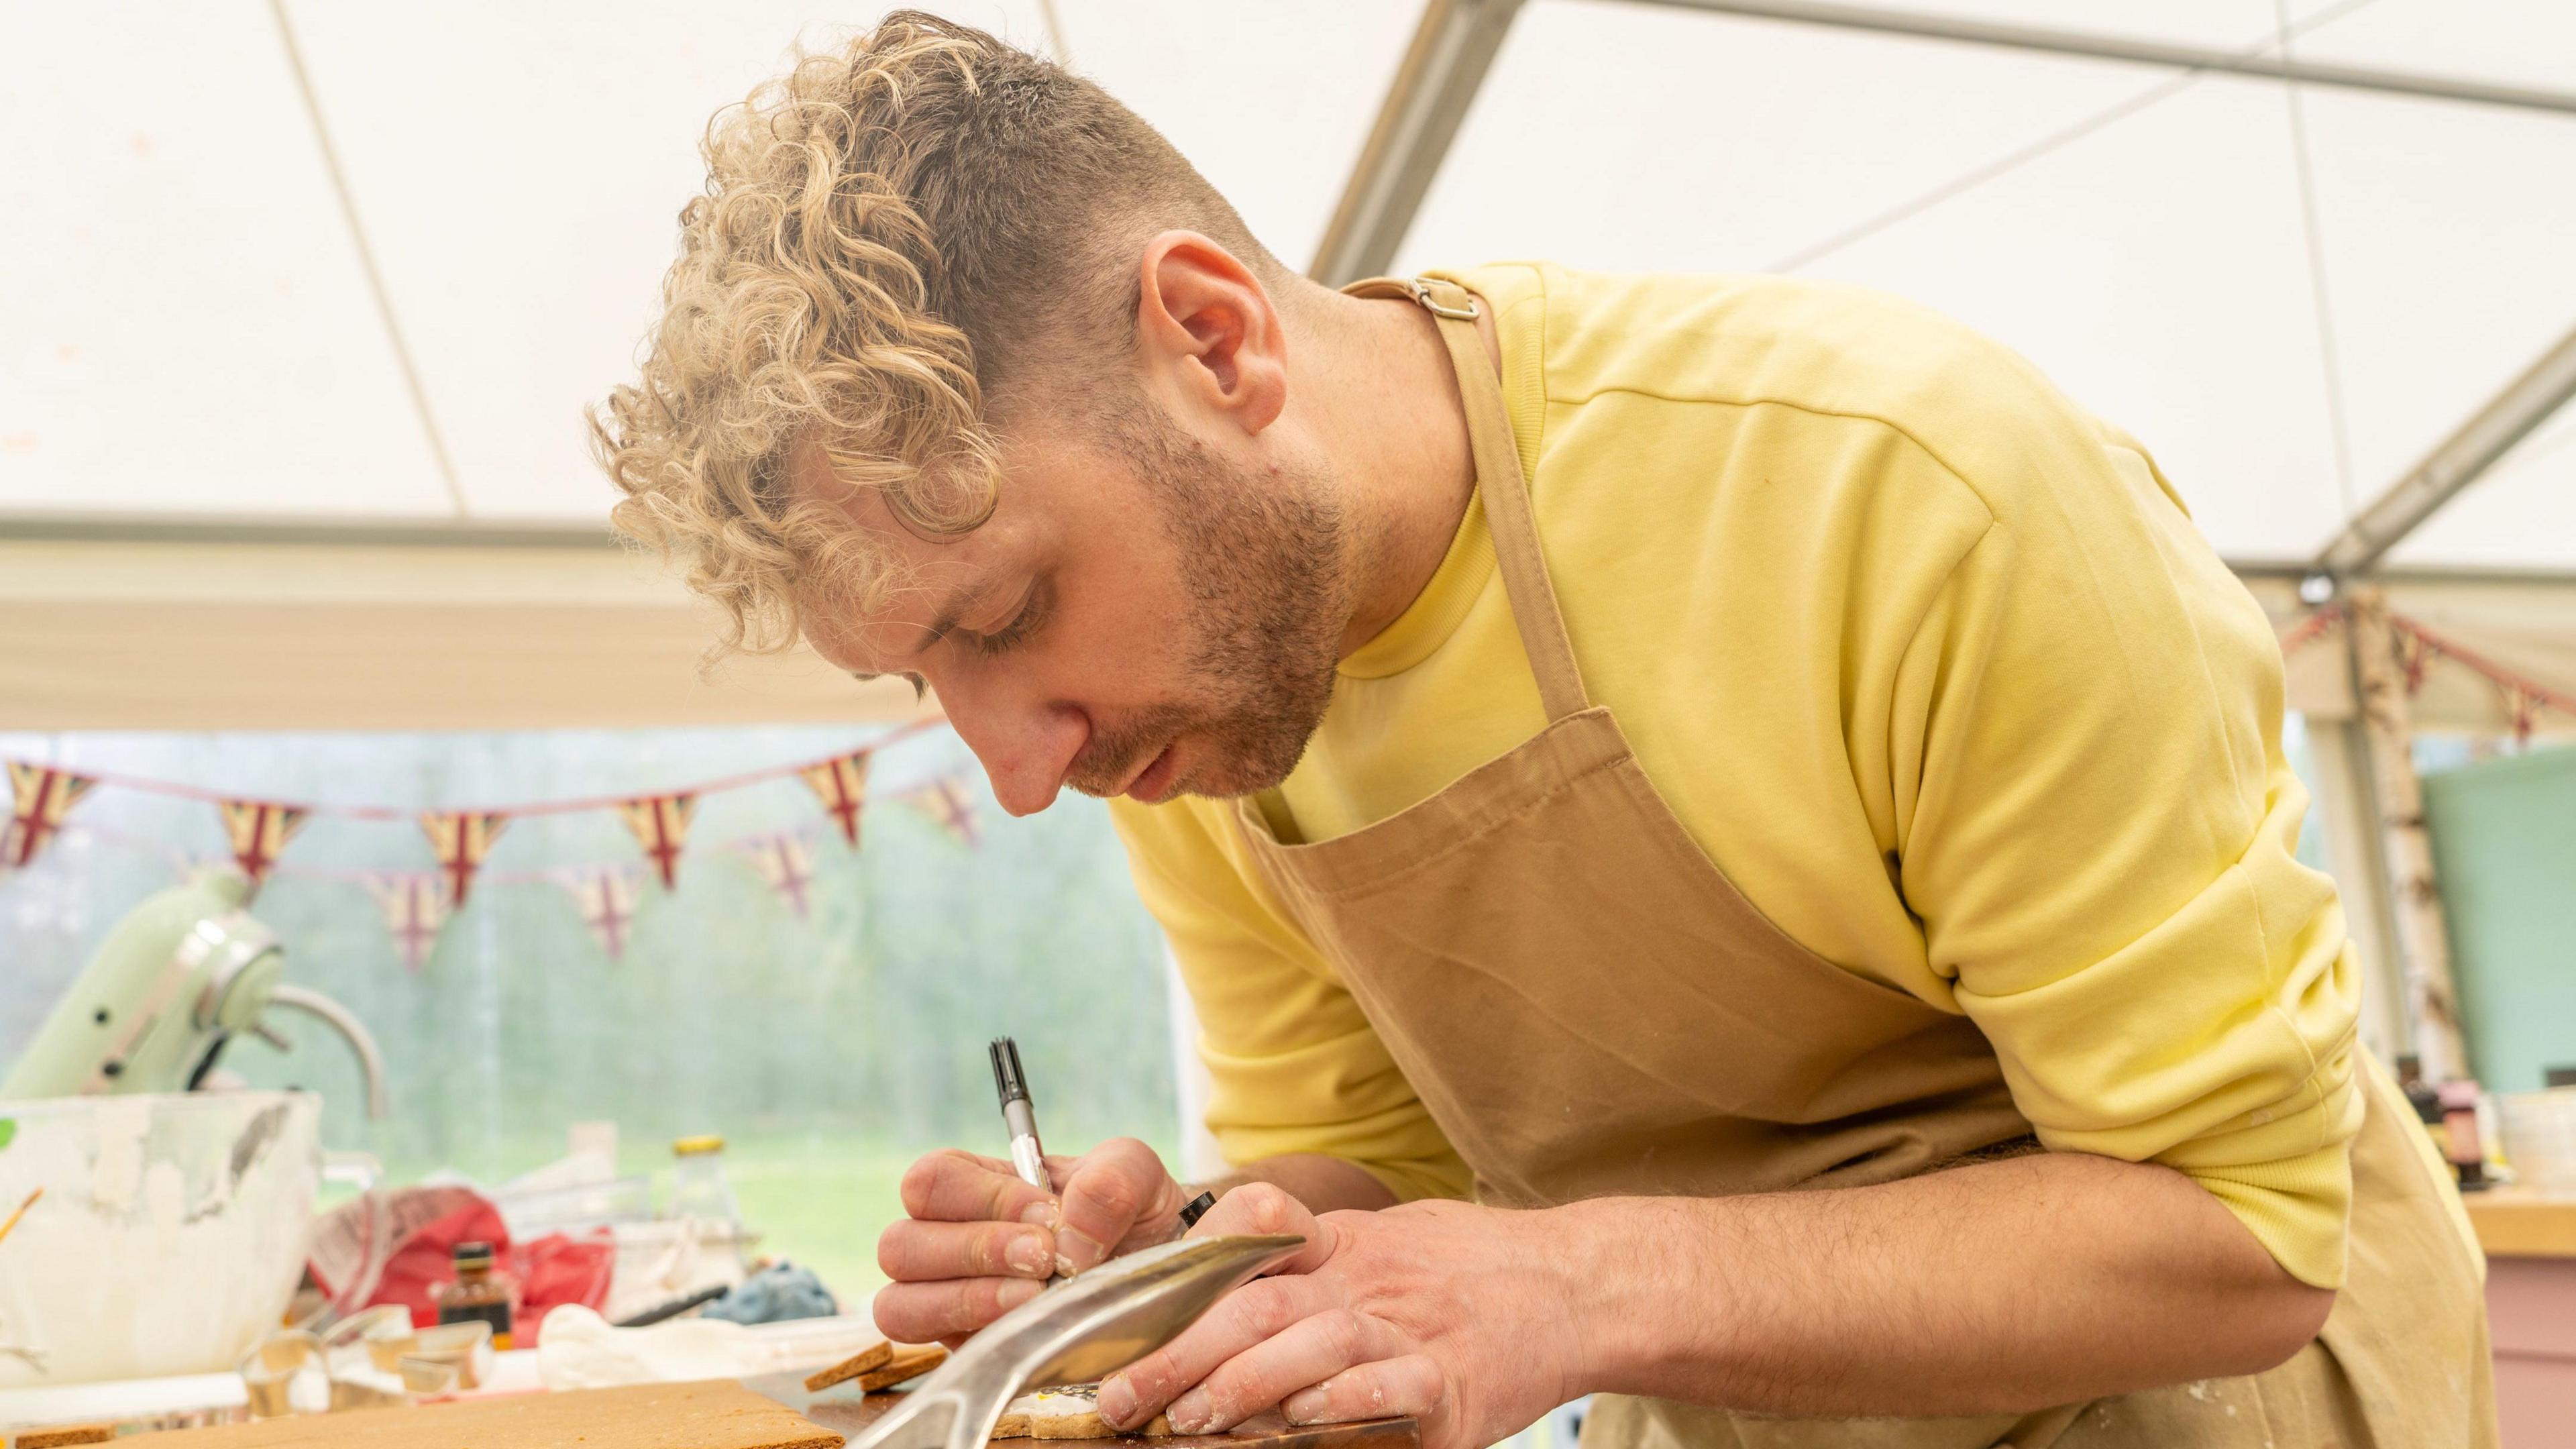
[1499,481]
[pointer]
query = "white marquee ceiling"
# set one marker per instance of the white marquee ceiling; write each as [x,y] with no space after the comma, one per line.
[188,329]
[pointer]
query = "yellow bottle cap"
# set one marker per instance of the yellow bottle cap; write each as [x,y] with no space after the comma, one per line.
[693,1146]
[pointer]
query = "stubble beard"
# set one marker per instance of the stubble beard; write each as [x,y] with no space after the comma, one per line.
[1262,554]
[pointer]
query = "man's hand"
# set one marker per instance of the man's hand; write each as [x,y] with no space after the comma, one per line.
[2000,1287]
[979,1242]
[1438,1310]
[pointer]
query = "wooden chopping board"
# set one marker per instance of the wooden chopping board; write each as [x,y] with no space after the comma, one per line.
[850,1415]
[713,1414]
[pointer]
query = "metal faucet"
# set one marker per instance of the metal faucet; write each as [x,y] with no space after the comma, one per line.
[371,1063]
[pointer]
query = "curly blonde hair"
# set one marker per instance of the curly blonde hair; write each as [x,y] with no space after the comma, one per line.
[892,233]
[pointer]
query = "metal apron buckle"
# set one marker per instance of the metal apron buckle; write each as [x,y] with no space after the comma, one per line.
[1421,289]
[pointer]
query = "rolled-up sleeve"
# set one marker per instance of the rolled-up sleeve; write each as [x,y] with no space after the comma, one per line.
[2100,850]
[1295,1065]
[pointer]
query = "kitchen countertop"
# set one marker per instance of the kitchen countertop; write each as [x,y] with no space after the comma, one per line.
[2515,1222]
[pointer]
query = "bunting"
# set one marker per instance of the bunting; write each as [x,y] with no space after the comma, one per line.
[661,825]
[947,805]
[787,863]
[461,838]
[849,766]
[2310,628]
[257,830]
[39,798]
[606,897]
[415,904]
[2418,649]
[2524,698]
[2525,706]
[842,785]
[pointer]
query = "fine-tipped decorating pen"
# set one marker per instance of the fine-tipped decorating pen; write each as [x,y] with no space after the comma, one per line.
[1028,1157]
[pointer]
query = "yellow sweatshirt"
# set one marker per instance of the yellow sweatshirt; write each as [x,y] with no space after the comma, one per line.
[1928,660]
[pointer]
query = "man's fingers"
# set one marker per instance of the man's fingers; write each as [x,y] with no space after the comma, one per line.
[1307,1353]
[944,1311]
[1261,1209]
[1407,1387]
[1117,1185]
[1243,1318]
[959,1187]
[912,1251]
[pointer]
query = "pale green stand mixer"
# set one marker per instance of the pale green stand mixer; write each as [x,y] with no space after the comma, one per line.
[174,982]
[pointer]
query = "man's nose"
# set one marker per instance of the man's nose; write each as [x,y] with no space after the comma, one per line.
[1025,747]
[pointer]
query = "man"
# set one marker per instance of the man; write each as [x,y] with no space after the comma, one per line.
[1737,776]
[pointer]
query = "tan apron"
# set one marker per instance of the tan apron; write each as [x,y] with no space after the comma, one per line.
[1588,1007]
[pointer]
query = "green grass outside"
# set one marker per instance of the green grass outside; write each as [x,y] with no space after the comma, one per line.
[821,1206]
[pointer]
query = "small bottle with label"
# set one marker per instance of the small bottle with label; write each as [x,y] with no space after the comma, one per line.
[2462,1141]
[479,1292]
[700,1190]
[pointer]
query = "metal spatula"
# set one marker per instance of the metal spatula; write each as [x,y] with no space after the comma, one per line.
[1079,1330]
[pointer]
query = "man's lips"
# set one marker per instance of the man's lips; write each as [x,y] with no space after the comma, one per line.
[1153,778]
[1132,776]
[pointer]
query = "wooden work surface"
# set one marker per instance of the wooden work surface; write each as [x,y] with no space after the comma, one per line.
[2515,1222]
[714,1414]
[851,1413]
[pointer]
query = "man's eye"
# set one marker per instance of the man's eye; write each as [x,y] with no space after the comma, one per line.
[1023,624]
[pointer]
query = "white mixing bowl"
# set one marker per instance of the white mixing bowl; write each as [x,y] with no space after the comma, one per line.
[170,1236]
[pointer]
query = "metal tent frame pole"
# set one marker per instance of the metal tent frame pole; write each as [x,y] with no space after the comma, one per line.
[2456,462]
[2089,46]
[2357,857]
[1453,47]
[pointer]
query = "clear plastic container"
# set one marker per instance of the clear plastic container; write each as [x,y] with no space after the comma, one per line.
[576,1208]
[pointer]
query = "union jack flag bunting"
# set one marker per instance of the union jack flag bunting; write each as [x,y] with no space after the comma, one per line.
[462,838]
[661,826]
[606,897]
[948,805]
[842,786]
[786,861]
[415,904]
[257,831]
[39,798]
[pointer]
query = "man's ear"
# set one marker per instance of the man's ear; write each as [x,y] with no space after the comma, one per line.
[1206,325]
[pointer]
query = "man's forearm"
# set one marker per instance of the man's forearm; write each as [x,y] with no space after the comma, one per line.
[1324,1184]
[2001,1287]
